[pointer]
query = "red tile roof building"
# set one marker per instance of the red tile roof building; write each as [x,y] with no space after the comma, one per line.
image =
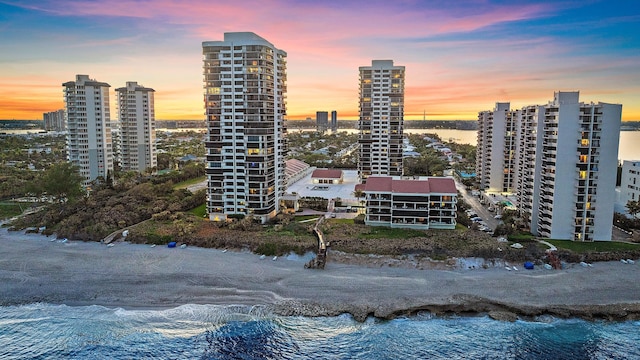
[415,204]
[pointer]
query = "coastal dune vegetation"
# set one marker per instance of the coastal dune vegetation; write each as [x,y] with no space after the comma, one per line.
[157,209]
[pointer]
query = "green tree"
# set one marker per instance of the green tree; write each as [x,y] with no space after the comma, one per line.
[62,182]
[429,164]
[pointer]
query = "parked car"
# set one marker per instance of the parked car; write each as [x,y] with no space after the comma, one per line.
[498,217]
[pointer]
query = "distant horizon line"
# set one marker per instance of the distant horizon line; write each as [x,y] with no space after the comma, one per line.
[286,119]
[295,120]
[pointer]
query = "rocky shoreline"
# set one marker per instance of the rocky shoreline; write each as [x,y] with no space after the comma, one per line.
[464,305]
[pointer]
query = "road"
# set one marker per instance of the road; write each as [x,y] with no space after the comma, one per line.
[474,204]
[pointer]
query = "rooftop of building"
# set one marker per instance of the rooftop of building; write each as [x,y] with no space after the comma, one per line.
[306,188]
[85,81]
[327,174]
[294,166]
[440,185]
[134,86]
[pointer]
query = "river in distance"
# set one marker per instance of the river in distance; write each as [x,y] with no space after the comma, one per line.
[45,331]
[629,148]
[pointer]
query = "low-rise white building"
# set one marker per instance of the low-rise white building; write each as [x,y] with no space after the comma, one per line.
[412,204]
[327,176]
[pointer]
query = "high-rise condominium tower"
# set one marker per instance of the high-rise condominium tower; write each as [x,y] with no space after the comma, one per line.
[564,173]
[381,119]
[496,130]
[137,127]
[54,120]
[245,87]
[88,122]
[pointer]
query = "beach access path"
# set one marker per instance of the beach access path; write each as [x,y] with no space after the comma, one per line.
[33,268]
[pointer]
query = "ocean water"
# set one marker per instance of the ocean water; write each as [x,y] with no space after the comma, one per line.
[44,331]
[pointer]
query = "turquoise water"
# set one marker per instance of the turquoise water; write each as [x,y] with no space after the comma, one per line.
[43,331]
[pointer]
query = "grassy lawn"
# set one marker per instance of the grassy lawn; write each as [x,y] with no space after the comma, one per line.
[598,246]
[11,209]
[200,211]
[306,217]
[187,183]
[342,221]
[390,233]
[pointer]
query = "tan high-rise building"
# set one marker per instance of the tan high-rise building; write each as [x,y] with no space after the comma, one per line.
[88,121]
[381,119]
[137,127]
[54,120]
[245,89]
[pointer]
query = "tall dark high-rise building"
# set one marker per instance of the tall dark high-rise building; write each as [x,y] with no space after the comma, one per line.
[381,119]
[322,121]
[245,90]
[334,121]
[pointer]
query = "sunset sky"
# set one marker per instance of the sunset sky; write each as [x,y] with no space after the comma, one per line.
[460,56]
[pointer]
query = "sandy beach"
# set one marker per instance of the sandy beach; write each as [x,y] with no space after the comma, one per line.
[33,268]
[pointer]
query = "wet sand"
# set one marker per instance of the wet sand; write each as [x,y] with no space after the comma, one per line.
[35,269]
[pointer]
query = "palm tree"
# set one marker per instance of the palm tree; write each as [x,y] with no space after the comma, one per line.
[633,207]
[359,194]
